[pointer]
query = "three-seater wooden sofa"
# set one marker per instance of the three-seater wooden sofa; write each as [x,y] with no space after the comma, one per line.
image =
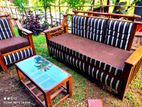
[99,47]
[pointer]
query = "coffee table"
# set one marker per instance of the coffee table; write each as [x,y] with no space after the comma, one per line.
[44,80]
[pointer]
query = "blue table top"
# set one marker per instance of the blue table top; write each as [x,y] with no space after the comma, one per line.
[44,73]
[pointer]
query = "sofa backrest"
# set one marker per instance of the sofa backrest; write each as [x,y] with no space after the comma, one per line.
[79,25]
[5,30]
[118,33]
[91,28]
[96,28]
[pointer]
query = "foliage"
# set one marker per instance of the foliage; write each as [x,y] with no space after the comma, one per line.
[32,23]
[47,4]
[75,4]
[21,4]
[123,9]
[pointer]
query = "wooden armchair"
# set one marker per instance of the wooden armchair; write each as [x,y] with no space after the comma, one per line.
[14,48]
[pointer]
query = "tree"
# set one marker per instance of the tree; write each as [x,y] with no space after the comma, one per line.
[121,8]
[47,5]
[59,4]
[21,4]
[92,5]
[75,4]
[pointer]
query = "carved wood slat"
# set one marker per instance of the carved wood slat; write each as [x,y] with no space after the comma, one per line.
[56,33]
[57,92]
[34,94]
[131,17]
[135,69]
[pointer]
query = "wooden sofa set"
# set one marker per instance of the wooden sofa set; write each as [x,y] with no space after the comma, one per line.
[98,47]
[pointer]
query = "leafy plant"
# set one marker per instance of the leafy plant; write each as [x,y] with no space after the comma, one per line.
[121,8]
[47,5]
[75,4]
[32,22]
[21,4]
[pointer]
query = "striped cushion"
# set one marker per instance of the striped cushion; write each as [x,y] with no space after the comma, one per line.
[17,56]
[78,25]
[100,57]
[5,31]
[110,81]
[98,64]
[96,29]
[81,62]
[118,33]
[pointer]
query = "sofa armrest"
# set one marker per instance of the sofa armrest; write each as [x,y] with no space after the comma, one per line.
[22,31]
[54,31]
[135,57]
[26,31]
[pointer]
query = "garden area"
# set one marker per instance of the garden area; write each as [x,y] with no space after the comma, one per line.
[83,89]
[40,17]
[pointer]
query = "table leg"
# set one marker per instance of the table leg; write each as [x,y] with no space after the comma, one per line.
[20,75]
[48,100]
[69,86]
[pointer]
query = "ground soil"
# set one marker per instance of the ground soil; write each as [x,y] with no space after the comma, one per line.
[14,94]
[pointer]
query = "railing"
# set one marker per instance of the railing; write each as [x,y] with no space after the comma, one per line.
[56,11]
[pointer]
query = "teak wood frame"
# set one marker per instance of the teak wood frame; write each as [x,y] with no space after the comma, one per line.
[50,94]
[22,32]
[132,64]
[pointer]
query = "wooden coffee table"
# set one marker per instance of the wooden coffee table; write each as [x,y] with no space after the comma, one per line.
[44,80]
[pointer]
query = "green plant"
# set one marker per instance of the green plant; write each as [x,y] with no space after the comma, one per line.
[120,7]
[47,5]
[21,4]
[75,4]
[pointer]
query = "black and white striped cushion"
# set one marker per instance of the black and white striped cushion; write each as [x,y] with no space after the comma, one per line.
[118,33]
[98,64]
[5,31]
[17,56]
[93,72]
[78,25]
[81,62]
[104,78]
[96,29]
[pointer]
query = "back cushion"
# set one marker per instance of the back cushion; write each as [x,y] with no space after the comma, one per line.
[96,29]
[78,25]
[5,31]
[118,33]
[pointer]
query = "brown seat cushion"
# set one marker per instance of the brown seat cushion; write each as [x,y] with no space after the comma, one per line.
[99,51]
[13,43]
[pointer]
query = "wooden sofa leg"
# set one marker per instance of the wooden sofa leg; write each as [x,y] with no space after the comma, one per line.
[34,52]
[50,54]
[126,80]
[121,95]
[4,67]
